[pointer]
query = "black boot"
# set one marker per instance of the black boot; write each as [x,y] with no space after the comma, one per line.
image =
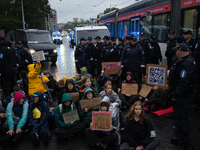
[148,107]
[174,140]
[155,107]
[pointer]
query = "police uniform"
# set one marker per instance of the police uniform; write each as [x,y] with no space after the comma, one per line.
[106,47]
[80,56]
[153,53]
[180,79]
[121,47]
[191,44]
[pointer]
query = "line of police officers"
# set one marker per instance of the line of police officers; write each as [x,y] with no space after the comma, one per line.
[183,60]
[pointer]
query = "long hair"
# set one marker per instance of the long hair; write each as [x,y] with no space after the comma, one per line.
[131,112]
[106,85]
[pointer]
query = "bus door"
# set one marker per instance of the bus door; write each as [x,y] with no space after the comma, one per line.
[135,27]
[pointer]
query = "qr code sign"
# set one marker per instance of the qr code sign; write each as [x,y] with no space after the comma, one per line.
[156,76]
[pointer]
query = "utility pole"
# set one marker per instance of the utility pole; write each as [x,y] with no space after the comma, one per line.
[23,14]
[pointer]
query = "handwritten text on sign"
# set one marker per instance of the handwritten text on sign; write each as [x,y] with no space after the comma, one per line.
[101,120]
[131,89]
[145,90]
[90,104]
[38,55]
[71,116]
[111,67]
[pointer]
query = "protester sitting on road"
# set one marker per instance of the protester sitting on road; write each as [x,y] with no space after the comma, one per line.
[70,86]
[70,129]
[16,117]
[78,78]
[102,139]
[23,81]
[52,84]
[35,82]
[127,99]
[2,116]
[138,132]
[87,82]
[86,115]
[38,119]
[61,89]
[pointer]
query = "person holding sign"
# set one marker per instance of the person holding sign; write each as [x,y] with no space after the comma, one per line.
[38,119]
[102,139]
[86,115]
[128,99]
[62,111]
[139,133]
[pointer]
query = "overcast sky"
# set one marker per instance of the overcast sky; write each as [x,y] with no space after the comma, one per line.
[68,9]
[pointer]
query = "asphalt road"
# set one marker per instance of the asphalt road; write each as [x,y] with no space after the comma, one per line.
[164,127]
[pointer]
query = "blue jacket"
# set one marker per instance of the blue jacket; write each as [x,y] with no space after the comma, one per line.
[43,110]
[10,115]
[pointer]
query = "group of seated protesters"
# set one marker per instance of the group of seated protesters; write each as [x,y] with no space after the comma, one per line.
[30,111]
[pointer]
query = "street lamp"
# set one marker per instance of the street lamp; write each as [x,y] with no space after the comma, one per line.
[23,15]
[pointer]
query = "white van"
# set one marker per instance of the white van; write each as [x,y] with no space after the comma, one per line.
[93,31]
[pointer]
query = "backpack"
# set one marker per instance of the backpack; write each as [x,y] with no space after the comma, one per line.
[60,108]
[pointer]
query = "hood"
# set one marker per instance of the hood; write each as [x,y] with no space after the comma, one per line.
[6,43]
[107,100]
[88,75]
[72,82]
[40,95]
[129,73]
[88,89]
[18,96]
[66,97]
[31,67]
[84,69]
[42,46]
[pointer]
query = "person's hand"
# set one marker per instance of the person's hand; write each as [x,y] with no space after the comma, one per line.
[72,122]
[23,92]
[141,147]
[43,81]
[12,95]
[38,61]
[138,148]
[129,95]
[86,110]
[18,131]
[111,105]
[119,90]
[10,132]
[102,72]
[156,87]
[111,127]
[2,115]
[91,124]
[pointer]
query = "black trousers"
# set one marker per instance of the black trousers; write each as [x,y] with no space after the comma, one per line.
[64,132]
[86,122]
[7,84]
[128,101]
[101,136]
[181,113]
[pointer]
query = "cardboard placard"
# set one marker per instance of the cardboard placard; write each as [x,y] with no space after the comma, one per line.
[90,104]
[111,67]
[156,75]
[101,120]
[74,96]
[145,90]
[71,116]
[131,89]
[38,55]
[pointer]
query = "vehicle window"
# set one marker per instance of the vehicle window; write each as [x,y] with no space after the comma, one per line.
[56,35]
[39,37]
[120,31]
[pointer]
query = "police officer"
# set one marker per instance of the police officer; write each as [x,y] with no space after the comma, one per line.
[80,56]
[97,56]
[181,79]
[106,46]
[127,40]
[111,55]
[153,52]
[89,52]
[169,53]
[121,47]
[190,41]
[133,59]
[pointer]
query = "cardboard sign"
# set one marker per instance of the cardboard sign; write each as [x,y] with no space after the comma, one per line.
[131,89]
[90,104]
[71,116]
[101,120]
[74,96]
[111,67]
[145,90]
[156,75]
[38,55]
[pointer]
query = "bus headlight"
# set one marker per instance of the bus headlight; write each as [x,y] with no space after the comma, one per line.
[55,50]
[32,51]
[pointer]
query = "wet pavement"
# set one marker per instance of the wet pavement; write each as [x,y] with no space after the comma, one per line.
[164,127]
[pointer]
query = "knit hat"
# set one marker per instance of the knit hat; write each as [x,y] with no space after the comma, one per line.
[65,79]
[18,96]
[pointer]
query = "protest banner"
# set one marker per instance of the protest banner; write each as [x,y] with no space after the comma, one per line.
[101,120]
[74,96]
[111,67]
[156,75]
[70,116]
[131,89]
[38,55]
[145,90]
[90,104]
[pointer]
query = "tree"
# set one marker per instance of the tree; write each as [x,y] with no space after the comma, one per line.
[108,10]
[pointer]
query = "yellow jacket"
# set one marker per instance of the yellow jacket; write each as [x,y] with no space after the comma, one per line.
[35,82]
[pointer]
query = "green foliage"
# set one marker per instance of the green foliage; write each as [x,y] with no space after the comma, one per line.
[35,12]
[108,10]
